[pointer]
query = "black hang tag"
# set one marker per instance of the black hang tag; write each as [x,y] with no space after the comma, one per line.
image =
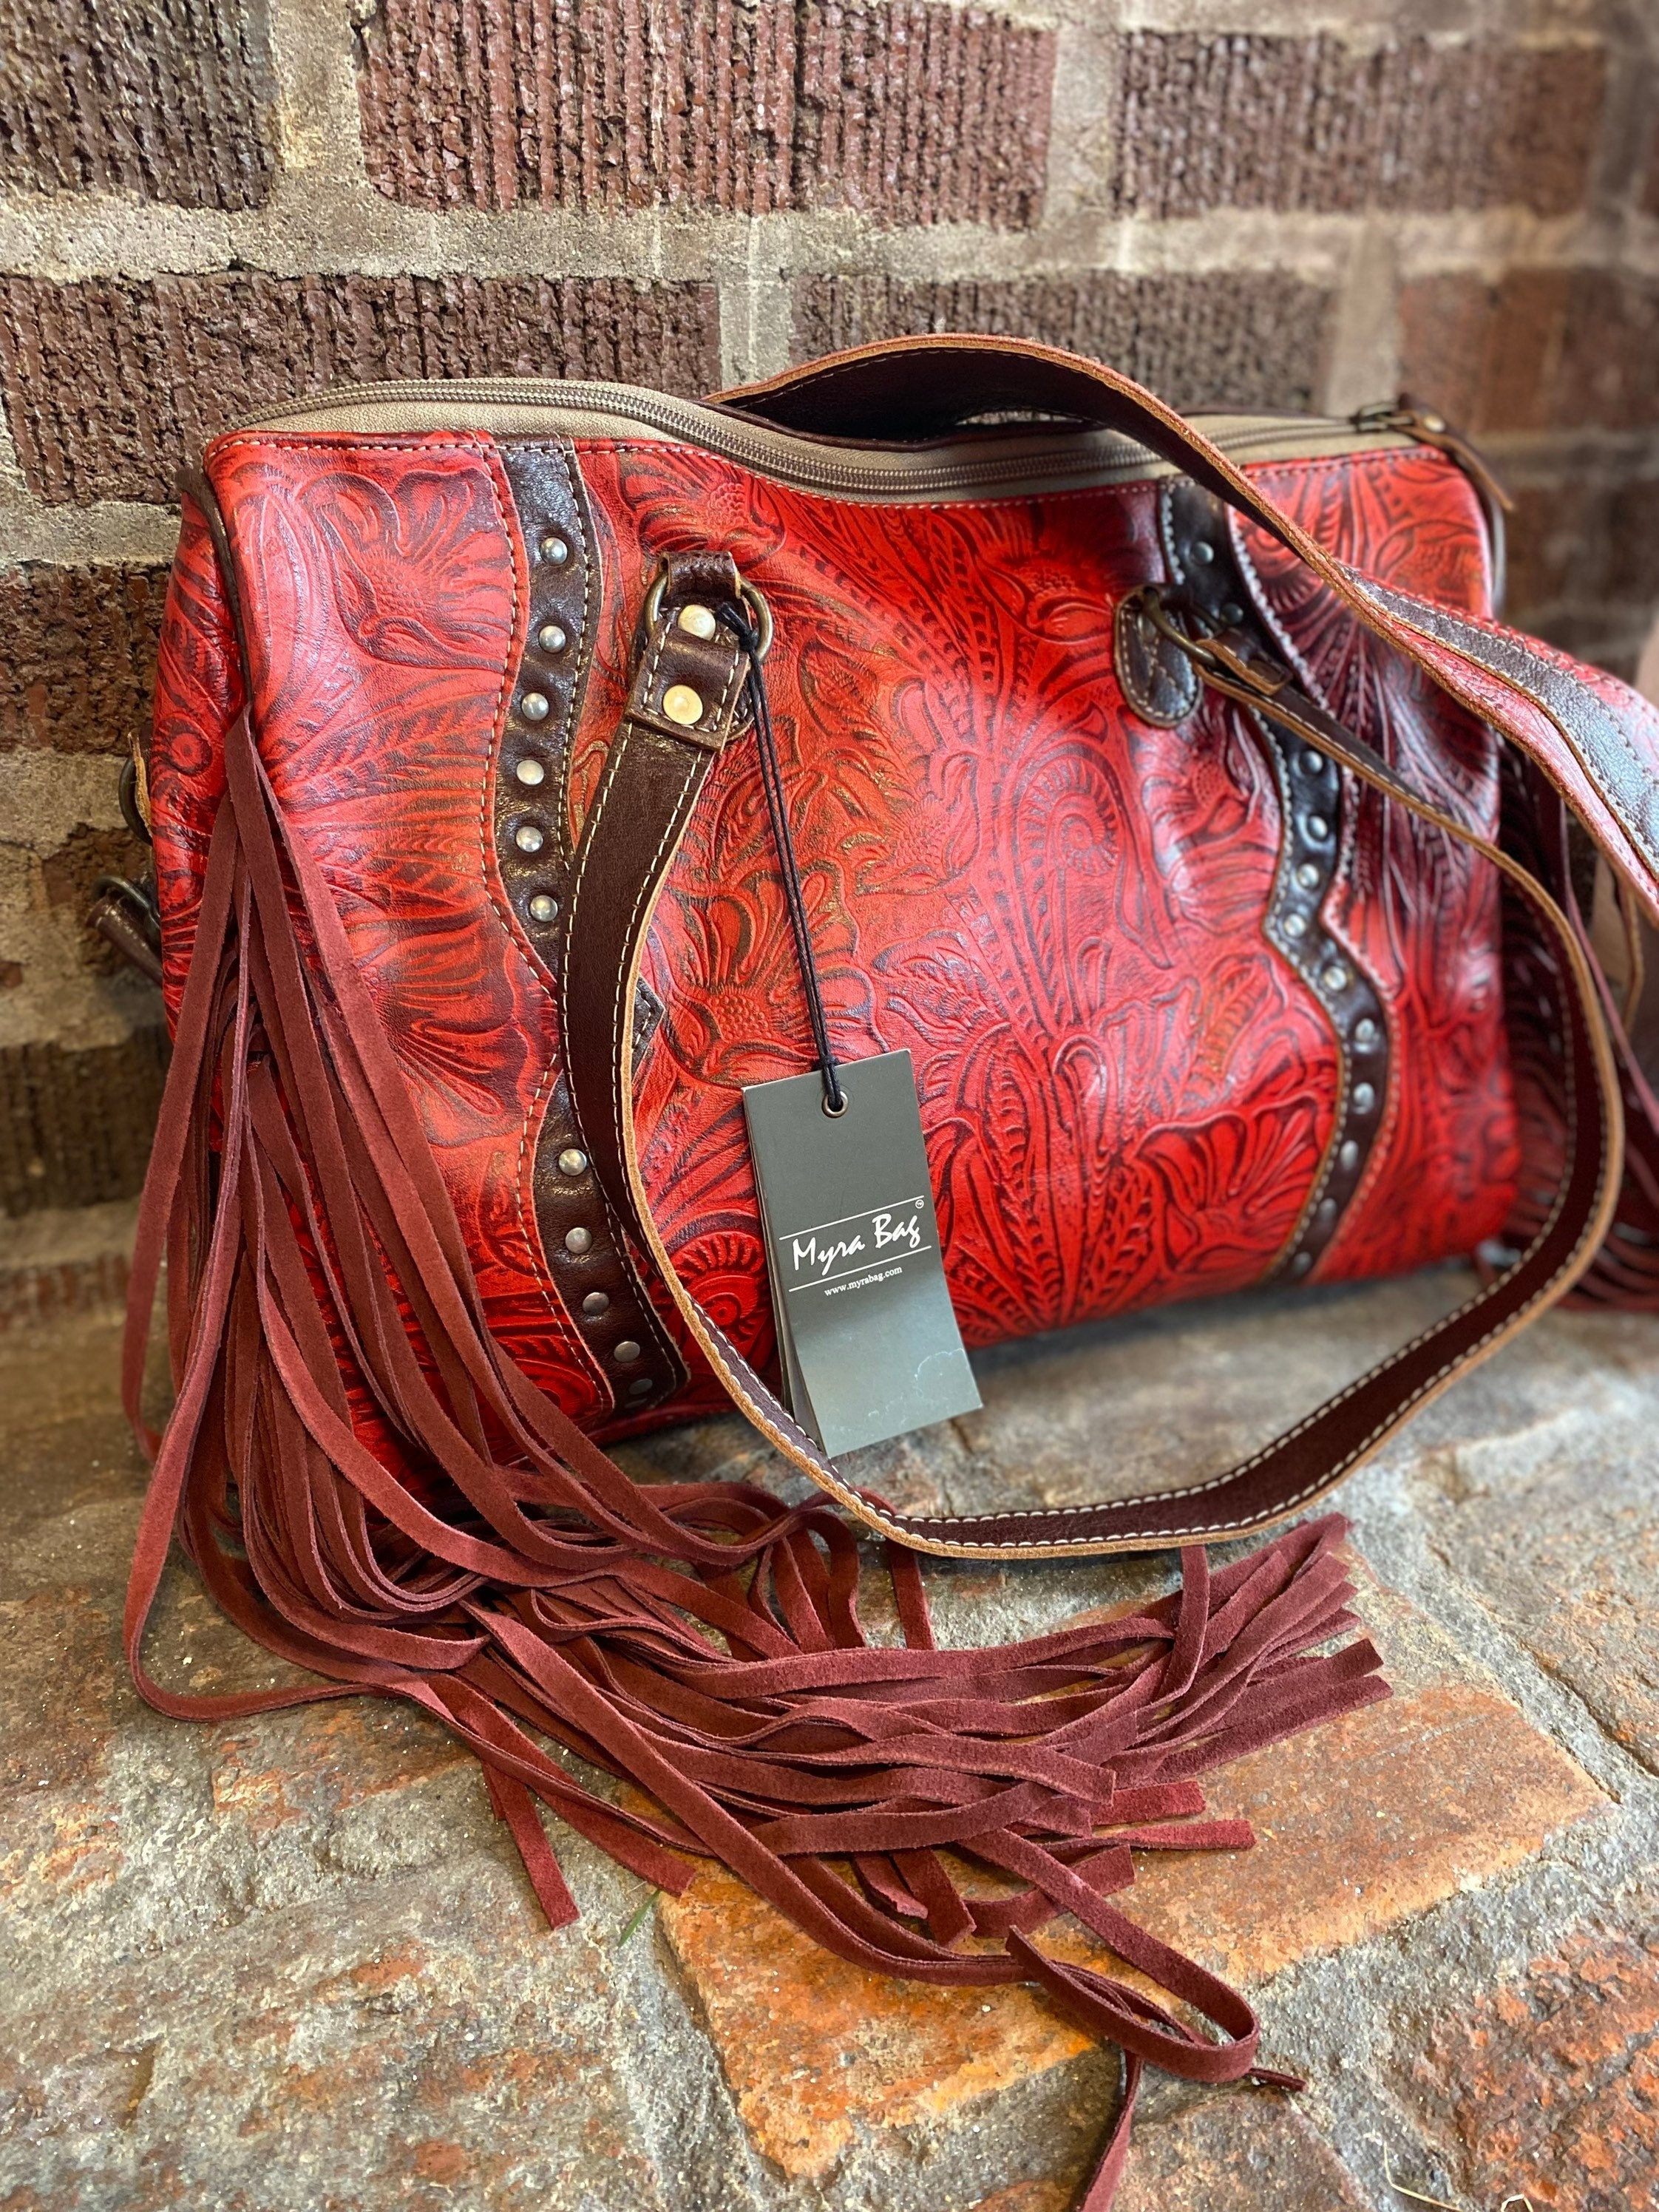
[867,1342]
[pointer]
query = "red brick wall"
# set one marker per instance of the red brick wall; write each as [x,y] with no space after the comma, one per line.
[206,204]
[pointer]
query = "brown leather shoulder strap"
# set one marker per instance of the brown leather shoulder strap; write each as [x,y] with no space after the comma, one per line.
[1596,738]
[631,837]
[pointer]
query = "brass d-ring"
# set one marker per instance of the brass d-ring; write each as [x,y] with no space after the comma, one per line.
[751,594]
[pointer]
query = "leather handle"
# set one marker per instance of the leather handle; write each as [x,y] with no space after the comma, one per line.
[633,833]
[1595,739]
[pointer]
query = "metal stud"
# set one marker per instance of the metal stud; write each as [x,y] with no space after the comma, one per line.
[1364,1097]
[572,1163]
[698,622]
[1231,611]
[1302,1262]
[530,772]
[1326,1213]
[1308,876]
[626,1352]
[1365,1034]
[1348,1158]
[544,907]
[1201,552]
[641,1387]
[1294,925]
[1312,764]
[551,638]
[595,1303]
[1318,828]
[534,707]
[529,837]
[682,704]
[554,550]
[1335,977]
[579,1240]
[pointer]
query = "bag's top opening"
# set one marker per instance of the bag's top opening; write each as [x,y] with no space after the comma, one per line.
[1002,456]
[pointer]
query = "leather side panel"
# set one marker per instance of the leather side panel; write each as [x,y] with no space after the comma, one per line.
[386,590]
[1418,911]
[199,691]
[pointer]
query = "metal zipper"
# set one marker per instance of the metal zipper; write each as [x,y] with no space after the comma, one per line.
[1429,429]
[1029,456]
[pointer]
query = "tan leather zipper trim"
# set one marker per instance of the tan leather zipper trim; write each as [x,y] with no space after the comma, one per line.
[988,463]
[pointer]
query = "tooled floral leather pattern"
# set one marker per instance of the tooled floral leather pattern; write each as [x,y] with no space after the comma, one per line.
[1418,911]
[385,581]
[199,689]
[1056,908]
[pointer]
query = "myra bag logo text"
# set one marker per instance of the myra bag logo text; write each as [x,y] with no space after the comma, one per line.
[833,1249]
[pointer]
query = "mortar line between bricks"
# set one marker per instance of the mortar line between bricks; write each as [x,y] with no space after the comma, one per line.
[312,229]
[1399,1548]
[113,532]
[1435,1961]
[1592,1743]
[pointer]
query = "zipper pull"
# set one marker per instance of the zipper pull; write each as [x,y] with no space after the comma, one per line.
[1431,429]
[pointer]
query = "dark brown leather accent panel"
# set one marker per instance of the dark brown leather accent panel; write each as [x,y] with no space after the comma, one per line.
[593,1274]
[1202,559]
[563,565]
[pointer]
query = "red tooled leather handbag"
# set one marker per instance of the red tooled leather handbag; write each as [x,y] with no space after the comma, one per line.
[1166,790]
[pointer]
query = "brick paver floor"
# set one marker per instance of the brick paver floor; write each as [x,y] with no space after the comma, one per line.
[293,1965]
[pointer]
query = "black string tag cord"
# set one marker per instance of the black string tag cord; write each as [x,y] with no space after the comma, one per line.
[835,1098]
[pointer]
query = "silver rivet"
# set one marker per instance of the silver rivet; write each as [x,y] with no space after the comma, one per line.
[595,1303]
[529,838]
[551,638]
[572,1163]
[544,907]
[1302,1262]
[579,1240]
[698,622]
[1348,1158]
[1294,925]
[1326,1210]
[1201,552]
[1335,977]
[1436,422]
[682,704]
[1312,764]
[626,1352]
[1308,876]
[1231,611]
[530,772]
[1364,1098]
[1318,828]
[534,706]
[1364,1034]
[642,1388]
[556,550]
